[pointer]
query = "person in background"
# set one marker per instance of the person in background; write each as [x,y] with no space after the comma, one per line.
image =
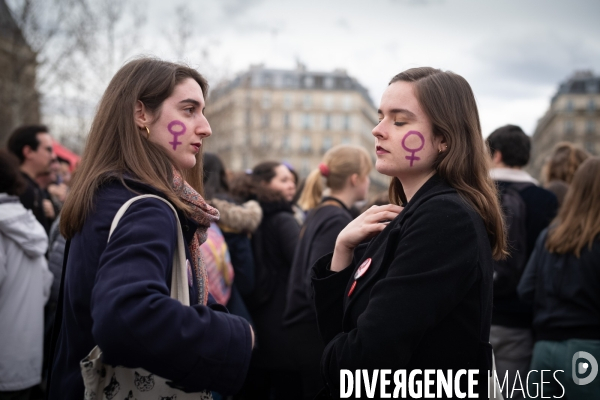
[528,209]
[236,224]
[345,171]
[273,373]
[32,145]
[562,281]
[146,138]
[561,166]
[418,295]
[24,287]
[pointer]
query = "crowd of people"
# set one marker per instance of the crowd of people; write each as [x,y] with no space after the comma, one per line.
[467,262]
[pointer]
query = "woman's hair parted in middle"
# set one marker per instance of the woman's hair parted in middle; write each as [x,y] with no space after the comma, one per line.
[116,146]
[448,100]
[339,163]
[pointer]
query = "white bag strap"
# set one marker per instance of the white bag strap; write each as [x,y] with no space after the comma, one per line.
[179,276]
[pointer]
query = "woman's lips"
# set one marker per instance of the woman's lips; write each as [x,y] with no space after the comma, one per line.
[381,150]
[197,146]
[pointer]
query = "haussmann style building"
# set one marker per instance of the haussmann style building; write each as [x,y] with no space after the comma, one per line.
[573,116]
[293,116]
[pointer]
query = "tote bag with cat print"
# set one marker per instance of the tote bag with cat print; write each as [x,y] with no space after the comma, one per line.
[105,382]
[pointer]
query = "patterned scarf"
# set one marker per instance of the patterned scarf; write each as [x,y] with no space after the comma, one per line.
[203,214]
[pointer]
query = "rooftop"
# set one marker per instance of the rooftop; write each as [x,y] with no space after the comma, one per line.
[581,82]
[300,78]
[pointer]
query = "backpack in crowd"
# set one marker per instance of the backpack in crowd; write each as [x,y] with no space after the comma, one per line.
[507,272]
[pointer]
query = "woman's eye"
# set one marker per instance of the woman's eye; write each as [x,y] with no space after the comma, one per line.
[189,110]
[399,123]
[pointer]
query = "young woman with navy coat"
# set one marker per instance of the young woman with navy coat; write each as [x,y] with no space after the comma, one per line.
[418,295]
[145,139]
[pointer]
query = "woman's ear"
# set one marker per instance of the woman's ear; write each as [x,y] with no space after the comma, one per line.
[354,179]
[140,115]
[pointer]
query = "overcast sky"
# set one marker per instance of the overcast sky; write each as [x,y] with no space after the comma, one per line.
[514,53]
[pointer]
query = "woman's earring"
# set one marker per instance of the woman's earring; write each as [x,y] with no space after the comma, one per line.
[147,132]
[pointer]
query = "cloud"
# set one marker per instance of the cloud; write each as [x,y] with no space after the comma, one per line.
[529,63]
[236,8]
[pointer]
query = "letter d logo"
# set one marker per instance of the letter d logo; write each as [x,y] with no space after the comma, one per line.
[583,367]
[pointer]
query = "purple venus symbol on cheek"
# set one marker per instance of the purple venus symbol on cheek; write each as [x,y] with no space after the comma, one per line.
[412,157]
[176,133]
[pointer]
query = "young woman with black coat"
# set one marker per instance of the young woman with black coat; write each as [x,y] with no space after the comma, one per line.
[418,295]
[344,171]
[272,371]
[562,281]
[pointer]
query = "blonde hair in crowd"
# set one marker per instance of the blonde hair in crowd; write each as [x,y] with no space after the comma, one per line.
[342,162]
[578,221]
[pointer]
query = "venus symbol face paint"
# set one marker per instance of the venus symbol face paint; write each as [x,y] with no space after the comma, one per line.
[416,144]
[176,132]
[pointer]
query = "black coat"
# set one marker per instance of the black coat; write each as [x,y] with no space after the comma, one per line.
[273,245]
[565,292]
[424,303]
[319,233]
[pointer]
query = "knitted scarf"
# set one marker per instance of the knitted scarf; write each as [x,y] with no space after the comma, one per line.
[203,214]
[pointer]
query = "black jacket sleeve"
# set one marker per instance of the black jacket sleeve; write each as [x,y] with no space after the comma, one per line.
[137,324]
[526,288]
[434,266]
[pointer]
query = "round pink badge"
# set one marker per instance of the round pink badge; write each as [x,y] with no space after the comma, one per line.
[363,268]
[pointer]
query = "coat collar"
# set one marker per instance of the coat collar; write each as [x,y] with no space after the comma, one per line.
[433,187]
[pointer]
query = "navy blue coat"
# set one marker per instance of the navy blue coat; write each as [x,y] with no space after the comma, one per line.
[117,296]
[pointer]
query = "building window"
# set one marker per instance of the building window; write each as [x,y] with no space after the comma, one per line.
[305,169]
[346,140]
[347,102]
[306,144]
[288,100]
[266,120]
[265,140]
[285,142]
[328,83]
[327,122]
[267,79]
[591,106]
[569,106]
[306,121]
[590,127]
[309,81]
[346,122]
[328,102]
[307,101]
[569,128]
[327,143]
[286,120]
[266,100]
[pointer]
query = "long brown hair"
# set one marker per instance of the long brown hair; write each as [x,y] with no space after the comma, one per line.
[448,101]
[115,145]
[564,161]
[342,162]
[578,221]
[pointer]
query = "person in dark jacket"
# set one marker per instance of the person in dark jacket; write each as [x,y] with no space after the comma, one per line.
[511,333]
[345,170]
[562,281]
[32,144]
[145,139]
[272,372]
[418,295]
